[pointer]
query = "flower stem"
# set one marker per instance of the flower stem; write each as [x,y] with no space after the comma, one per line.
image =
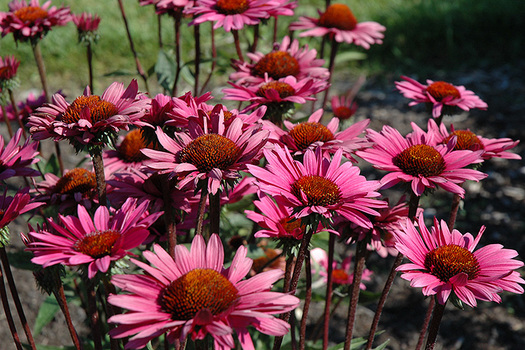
[15,111]
[412,210]
[360,256]
[171,227]
[437,315]
[7,311]
[213,58]
[93,314]
[7,122]
[177,19]
[159,31]
[16,298]
[275,26]
[237,44]
[132,46]
[331,65]
[89,54]
[456,201]
[62,303]
[200,215]
[215,213]
[255,38]
[329,289]
[197,34]
[426,321]
[307,300]
[98,163]
[37,53]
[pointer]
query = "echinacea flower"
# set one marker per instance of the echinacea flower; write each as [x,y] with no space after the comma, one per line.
[12,207]
[213,154]
[343,107]
[90,120]
[318,185]
[127,154]
[193,295]
[231,14]
[30,21]
[8,68]
[342,273]
[97,241]
[414,160]
[87,25]
[445,262]
[440,95]
[285,59]
[339,22]
[16,160]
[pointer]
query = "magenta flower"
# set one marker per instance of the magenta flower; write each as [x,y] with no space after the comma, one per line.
[90,119]
[444,262]
[8,68]
[231,14]
[440,95]
[466,139]
[415,160]
[342,273]
[343,107]
[16,160]
[339,22]
[127,154]
[96,242]
[213,154]
[86,22]
[30,21]
[193,295]
[318,185]
[285,59]
[12,207]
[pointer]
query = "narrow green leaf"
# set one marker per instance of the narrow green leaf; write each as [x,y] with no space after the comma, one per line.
[22,260]
[165,70]
[46,313]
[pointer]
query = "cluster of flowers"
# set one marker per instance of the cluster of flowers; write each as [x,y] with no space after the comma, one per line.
[182,157]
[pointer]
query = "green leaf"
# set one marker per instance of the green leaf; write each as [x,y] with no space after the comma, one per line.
[46,313]
[52,165]
[165,70]
[119,73]
[348,56]
[382,346]
[22,260]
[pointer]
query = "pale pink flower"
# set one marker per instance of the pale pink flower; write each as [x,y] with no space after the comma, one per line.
[318,185]
[30,21]
[342,273]
[16,160]
[414,160]
[444,262]
[96,241]
[440,95]
[193,295]
[285,59]
[339,22]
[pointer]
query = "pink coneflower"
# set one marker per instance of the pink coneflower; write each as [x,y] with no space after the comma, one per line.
[285,59]
[283,8]
[94,241]
[440,95]
[76,186]
[193,295]
[271,260]
[12,207]
[29,106]
[90,119]
[127,154]
[443,262]
[318,185]
[414,160]
[466,139]
[187,106]
[231,14]
[87,25]
[16,160]
[312,134]
[342,272]
[215,154]
[343,107]
[339,22]
[32,21]
[8,68]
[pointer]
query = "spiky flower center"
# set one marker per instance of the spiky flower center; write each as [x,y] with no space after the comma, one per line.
[466,140]
[343,112]
[30,14]
[339,275]
[197,290]
[277,64]
[97,244]
[319,191]
[130,147]
[290,224]
[421,160]
[96,108]
[338,16]
[447,261]
[283,89]
[211,151]
[232,7]
[77,180]
[304,134]
[440,89]
[269,260]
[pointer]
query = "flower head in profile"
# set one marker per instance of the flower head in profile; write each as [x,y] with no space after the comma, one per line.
[343,107]
[90,120]
[286,59]
[339,22]
[97,241]
[16,160]
[30,21]
[87,26]
[127,154]
[444,262]
[193,295]
[415,160]
[231,14]
[443,97]
[8,68]
[342,272]
[318,185]
[12,207]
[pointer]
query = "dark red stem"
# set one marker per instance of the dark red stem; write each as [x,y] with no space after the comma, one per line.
[329,288]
